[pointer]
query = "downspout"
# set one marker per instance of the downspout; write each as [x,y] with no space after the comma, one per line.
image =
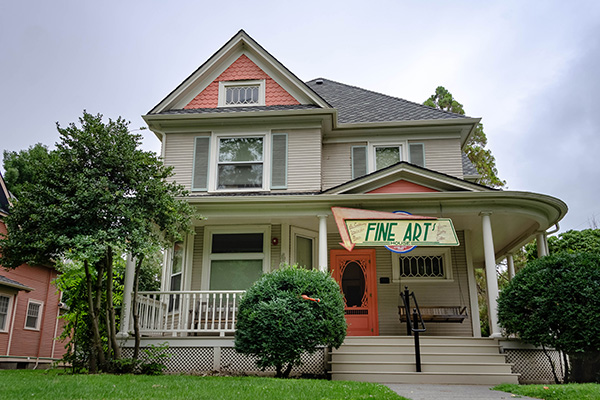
[12,324]
[43,316]
[554,231]
[56,325]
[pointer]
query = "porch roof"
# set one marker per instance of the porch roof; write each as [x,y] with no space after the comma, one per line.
[516,216]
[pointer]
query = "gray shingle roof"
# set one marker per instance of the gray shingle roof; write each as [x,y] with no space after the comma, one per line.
[241,109]
[468,167]
[356,105]
[9,282]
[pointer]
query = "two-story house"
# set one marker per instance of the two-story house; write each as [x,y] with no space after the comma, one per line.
[267,157]
[29,310]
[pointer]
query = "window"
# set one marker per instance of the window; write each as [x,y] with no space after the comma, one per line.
[34,313]
[425,264]
[386,156]
[176,275]
[4,312]
[240,163]
[237,256]
[304,247]
[376,156]
[242,93]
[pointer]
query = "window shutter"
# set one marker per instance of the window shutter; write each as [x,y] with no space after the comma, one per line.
[200,169]
[279,161]
[359,161]
[417,154]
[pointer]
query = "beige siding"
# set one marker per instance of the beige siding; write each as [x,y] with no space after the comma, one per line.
[275,250]
[304,160]
[337,163]
[443,155]
[179,153]
[428,294]
[197,259]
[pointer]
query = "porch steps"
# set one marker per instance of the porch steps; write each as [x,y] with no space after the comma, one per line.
[449,360]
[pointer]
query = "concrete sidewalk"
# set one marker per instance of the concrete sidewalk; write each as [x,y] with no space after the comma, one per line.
[451,392]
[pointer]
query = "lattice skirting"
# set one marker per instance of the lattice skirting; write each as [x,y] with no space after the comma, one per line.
[534,366]
[202,359]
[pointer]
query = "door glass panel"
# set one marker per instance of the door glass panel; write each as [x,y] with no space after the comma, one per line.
[304,252]
[237,243]
[353,284]
[234,274]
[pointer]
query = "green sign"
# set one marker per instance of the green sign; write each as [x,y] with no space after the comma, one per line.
[410,232]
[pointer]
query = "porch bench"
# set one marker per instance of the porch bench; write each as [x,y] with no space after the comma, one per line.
[438,313]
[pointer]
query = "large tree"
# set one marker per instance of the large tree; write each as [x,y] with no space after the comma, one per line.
[572,241]
[482,158]
[554,302]
[95,196]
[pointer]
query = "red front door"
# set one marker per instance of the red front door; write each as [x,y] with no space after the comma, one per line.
[356,274]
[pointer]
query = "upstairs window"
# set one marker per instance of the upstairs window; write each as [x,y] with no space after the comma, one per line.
[240,163]
[387,155]
[242,93]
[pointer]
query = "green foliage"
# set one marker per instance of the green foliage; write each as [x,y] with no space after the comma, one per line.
[482,158]
[554,302]
[95,196]
[276,325]
[22,167]
[587,240]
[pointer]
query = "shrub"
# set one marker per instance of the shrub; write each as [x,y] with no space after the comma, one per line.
[276,325]
[555,302]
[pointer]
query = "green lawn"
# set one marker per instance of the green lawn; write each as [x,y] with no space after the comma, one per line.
[586,391]
[26,384]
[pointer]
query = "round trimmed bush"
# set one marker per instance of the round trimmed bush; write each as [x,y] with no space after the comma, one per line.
[277,325]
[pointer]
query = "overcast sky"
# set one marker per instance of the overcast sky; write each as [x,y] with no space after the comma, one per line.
[530,69]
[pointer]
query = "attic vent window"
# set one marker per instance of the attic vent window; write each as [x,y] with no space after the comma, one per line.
[241,93]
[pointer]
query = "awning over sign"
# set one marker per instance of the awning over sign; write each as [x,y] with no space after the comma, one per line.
[377,228]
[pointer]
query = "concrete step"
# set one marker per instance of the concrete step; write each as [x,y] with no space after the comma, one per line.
[410,357]
[426,377]
[454,367]
[423,339]
[425,347]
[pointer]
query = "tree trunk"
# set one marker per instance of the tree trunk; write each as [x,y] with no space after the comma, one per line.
[136,317]
[112,326]
[286,373]
[96,353]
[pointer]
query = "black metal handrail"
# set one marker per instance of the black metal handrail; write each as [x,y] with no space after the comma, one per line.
[412,326]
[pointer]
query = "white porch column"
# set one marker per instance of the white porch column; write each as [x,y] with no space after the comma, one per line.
[490,273]
[511,266]
[322,243]
[126,309]
[542,245]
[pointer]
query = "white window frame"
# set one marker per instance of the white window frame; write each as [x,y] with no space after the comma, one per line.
[308,234]
[10,298]
[39,316]
[213,165]
[208,257]
[372,158]
[223,85]
[445,252]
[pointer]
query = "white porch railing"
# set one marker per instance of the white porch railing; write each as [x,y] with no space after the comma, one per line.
[187,312]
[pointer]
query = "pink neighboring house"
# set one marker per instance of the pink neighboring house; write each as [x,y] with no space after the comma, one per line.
[29,310]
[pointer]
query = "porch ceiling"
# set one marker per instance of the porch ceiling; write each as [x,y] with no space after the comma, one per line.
[516,216]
